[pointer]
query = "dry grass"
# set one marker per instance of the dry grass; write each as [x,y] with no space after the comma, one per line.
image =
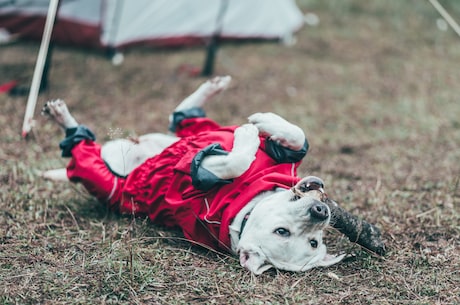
[376,88]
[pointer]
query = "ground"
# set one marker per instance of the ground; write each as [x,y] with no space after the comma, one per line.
[375,87]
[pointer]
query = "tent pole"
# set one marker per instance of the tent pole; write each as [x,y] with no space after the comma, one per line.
[111,49]
[46,69]
[211,51]
[454,25]
[39,67]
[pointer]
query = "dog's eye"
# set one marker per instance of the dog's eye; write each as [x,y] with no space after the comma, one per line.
[282,232]
[314,243]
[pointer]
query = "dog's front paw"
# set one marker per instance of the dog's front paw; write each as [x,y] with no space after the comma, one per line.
[247,131]
[245,145]
[278,129]
[246,140]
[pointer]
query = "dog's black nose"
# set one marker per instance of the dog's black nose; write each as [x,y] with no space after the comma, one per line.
[319,211]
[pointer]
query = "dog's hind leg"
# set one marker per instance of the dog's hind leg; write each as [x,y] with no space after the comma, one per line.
[57,110]
[86,165]
[205,92]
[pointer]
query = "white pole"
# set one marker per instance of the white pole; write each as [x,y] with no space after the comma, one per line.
[39,65]
[446,16]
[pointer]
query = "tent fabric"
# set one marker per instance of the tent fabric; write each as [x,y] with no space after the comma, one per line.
[121,23]
[78,21]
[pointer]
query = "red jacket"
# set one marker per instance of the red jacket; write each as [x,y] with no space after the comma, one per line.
[161,188]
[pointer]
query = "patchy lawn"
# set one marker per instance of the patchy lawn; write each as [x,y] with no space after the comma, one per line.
[375,87]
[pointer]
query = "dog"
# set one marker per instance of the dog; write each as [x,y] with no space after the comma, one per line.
[232,188]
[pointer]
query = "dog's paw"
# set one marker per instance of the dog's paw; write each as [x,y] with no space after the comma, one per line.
[247,131]
[246,141]
[212,87]
[58,111]
[59,174]
[54,108]
[278,129]
[245,145]
[268,123]
[204,93]
[216,85]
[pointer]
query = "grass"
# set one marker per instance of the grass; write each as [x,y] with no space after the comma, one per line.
[375,86]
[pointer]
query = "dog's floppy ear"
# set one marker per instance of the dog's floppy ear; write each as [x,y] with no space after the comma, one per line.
[326,261]
[329,260]
[255,262]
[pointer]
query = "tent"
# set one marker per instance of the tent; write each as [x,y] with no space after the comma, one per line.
[121,23]
[117,24]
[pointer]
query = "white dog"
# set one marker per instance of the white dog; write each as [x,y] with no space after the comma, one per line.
[229,188]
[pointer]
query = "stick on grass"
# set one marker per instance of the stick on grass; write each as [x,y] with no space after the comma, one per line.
[357,230]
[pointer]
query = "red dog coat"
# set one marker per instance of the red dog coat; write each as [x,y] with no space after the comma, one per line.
[164,186]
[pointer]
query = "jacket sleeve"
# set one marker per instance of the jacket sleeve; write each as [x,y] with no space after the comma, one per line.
[73,137]
[178,116]
[202,179]
[283,154]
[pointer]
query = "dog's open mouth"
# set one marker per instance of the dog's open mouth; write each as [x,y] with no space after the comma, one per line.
[311,186]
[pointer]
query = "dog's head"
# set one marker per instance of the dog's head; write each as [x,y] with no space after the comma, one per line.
[285,231]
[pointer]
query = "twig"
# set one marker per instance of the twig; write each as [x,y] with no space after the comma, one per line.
[73,218]
[426,213]
[357,230]
[21,275]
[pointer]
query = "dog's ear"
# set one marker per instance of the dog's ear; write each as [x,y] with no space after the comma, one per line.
[255,262]
[329,260]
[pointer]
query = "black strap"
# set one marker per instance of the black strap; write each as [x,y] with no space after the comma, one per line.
[202,179]
[179,116]
[243,223]
[283,154]
[73,137]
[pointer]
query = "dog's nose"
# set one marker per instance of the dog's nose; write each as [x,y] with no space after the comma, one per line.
[319,211]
